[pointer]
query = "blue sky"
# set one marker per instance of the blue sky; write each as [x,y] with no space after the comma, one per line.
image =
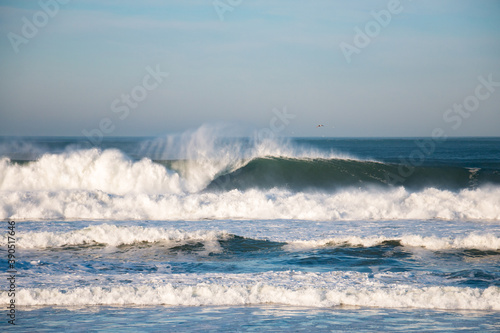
[263,55]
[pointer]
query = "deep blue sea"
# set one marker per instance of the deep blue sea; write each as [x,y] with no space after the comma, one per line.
[200,233]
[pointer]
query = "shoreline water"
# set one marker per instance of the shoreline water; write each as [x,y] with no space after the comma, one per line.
[253,318]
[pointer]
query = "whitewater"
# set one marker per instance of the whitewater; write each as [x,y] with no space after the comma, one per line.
[264,181]
[233,225]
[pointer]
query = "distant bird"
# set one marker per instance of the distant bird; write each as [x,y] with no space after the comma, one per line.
[320,125]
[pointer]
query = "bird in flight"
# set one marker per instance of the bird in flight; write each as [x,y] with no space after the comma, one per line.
[320,125]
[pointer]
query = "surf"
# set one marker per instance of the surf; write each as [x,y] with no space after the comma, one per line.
[332,174]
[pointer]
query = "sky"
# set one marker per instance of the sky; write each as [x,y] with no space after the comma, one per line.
[149,68]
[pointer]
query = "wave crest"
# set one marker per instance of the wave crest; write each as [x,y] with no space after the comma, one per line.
[112,235]
[472,241]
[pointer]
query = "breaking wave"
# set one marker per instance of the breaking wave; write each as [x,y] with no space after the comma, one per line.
[472,241]
[335,173]
[349,204]
[112,235]
[331,289]
[198,176]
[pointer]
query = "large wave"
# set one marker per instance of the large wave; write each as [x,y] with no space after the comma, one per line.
[329,174]
[197,175]
[174,164]
[113,172]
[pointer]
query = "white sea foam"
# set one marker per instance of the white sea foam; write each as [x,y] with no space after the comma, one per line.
[94,184]
[198,157]
[109,171]
[349,204]
[472,241]
[112,235]
[288,288]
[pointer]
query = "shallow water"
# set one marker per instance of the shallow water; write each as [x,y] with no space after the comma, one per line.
[267,318]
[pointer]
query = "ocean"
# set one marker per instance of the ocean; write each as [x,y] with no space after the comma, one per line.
[201,233]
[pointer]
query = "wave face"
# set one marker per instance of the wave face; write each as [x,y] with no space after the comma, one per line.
[330,174]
